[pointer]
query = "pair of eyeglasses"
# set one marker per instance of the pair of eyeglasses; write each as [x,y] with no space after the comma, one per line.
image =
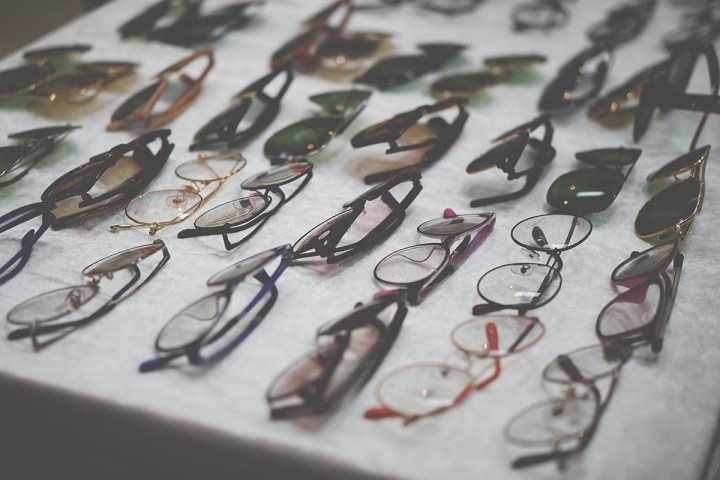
[422,128]
[579,80]
[529,285]
[252,111]
[105,182]
[514,158]
[310,136]
[666,89]
[60,312]
[188,24]
[16,161]
[566,424]
[419,269]
[199,332]
[394,71]
[539,15]
[672,211]
[623,23]
[445,7]
[591,190]
[54,76]
[162,208]
[168,97]
[348,351]
[248,214]
[424,389]
[506,68]
[641,313]
[701,25]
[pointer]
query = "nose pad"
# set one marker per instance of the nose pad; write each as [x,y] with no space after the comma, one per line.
[178,200]
[523,269]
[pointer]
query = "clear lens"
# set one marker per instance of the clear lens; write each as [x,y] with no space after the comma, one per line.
[192,323]
[163,206]
[244,267]
[122,259]
[650,261]
[514,334]
[520,285]
[630,311]
[551,233]
[459,225]
[593,363]
[277,176]
[210,169]
[552,422]
[52,305]
[234,212]
[411,264]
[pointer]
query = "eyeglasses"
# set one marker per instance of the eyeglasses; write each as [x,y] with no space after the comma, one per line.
[666,89]
[591,190]
[567,424]
[405,132]
[424,389]
[701,26]
[348,352]
[162,208]
[250,213]
[345,53]
[641,313]
[446,7]
[165,99]
[253,110]
[199,332]
[622,23]
[347,234]
[507,68]
[17,160]
[671,212]
[113,178]
[188,26]
[513,158]
[394,71]
[539,15]
[577,81]
[61,311]
[419,269]
[618,106]
[525,286]
[308,137]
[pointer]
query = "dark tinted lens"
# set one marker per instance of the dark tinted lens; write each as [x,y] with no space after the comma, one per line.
[222,127]
[505,154]
[673,206]
[680,164]
[395,71]
[134,103]
[302,139]
[10,155]
[646,106]
[681,68]
[18,80]
[341,102]
[464,85]
[55,53]
[42,133]
[585,191]
[342,49]
[144,22]
[512,62]
[122,259]
[650,261]
[69,87]
[386,131]
[611,157]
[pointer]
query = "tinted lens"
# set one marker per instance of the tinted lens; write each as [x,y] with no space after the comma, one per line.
[411,264]
[134,103]
[55,53]
[55,133]
[342,102]
[234,212]
[538,16]
[681,164]
[593,363]
[609,157]
[650,261]
[553,421]
[551,233]
[163,206]
[193,323]
[302,139]
[514,334]
[144,22]
[51,305]
[276,176]
[386,131]
[10,156]
[423,389]
[395,71]
[223,126]
[69,87]
[671,207]
[646,106]
[464,84]
[585,191]
[458,225]
[350,48]
[631,311]
[122,259]
[506,153]
[513,62]
[107,70]
[520,285]
[211,168]
[21,79]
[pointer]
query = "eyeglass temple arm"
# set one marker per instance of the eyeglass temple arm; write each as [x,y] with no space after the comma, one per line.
[657,344]
[530,181]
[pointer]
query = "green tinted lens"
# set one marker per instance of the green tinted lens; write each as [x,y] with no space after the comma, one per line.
[341,102]
[585,191]
[680,164]
[464,84]
[673,206]
[513,62]
[55,53]
[302,139]
[21,79]
[610,157]
[354,47]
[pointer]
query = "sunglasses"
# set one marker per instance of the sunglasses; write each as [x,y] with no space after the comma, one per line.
[514,158]
[395,71]
[165,99]
[641,313]
[105,182]
[310,136]
[16,161]
[591,190]
[419,269]
[253,110]
[185,24]
[671,212]
[422,128]
[539,15]
[248,214]
[162,208]
[348,233]
[578,80]
[666,89]
[62,311]
[424,389]
[446,7]
[348,351]
[623,23]
[507,68]
[201,331]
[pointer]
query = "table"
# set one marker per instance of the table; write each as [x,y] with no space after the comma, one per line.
[80,407]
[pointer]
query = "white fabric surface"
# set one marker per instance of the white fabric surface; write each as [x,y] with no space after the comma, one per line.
[660,423]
